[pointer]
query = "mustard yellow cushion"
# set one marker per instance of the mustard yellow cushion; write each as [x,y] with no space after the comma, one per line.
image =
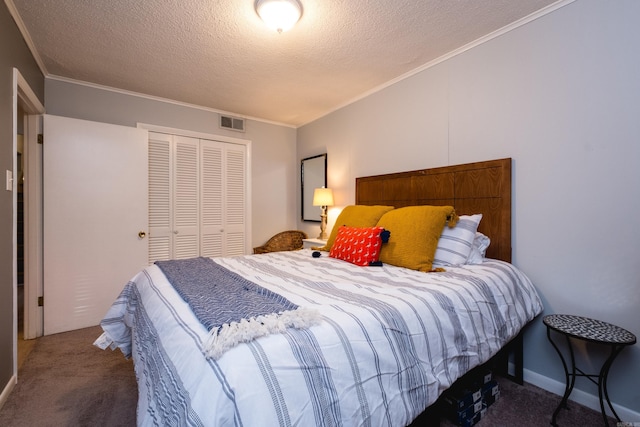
[415,231]
[356,216]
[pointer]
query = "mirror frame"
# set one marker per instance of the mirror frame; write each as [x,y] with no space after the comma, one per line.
[313,174]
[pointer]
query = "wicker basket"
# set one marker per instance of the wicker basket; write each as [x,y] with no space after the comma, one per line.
[290,240]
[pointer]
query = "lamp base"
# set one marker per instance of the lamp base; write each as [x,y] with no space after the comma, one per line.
[323,224]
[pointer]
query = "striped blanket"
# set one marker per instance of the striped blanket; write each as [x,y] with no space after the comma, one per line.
[390,342]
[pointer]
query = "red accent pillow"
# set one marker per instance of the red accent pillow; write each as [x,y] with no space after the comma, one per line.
[359,246]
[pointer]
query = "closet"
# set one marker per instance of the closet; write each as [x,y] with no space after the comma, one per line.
[197,197]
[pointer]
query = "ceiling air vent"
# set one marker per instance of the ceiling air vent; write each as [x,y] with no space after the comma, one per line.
[232,123]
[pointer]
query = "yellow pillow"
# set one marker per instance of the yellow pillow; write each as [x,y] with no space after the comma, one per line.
[356,216]
[415,231]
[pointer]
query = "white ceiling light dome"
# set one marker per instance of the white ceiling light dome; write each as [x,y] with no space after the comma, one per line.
[280,15]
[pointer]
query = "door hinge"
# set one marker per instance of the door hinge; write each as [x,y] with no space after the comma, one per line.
[40,138]
[40,301]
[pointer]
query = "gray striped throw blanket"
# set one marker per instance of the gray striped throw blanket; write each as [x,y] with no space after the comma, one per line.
[232,308]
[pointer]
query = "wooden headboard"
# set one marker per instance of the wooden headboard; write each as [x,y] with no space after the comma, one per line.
[481,187]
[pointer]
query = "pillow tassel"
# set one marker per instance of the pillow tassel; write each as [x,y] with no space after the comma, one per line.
[452,219]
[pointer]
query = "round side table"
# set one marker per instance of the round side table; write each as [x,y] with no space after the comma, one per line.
[594,331]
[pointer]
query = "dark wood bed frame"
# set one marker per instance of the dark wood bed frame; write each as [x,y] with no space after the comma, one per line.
[481,187]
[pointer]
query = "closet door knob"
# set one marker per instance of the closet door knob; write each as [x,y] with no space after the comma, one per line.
[142,234]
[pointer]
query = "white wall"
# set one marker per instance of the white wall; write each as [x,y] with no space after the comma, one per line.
[561,96]
[274,169]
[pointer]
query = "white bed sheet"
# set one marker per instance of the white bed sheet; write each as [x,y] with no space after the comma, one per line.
[390,342]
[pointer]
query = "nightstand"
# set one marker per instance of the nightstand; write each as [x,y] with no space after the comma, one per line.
[590,330]
[313,243]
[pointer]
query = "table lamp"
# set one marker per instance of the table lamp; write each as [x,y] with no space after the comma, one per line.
[323,197]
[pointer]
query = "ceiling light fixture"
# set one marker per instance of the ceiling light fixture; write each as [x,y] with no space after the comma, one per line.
[280,15]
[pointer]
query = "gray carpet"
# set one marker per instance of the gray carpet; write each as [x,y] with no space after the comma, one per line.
[66,381]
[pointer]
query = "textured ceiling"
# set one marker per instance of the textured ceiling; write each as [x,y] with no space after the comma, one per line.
[218,54]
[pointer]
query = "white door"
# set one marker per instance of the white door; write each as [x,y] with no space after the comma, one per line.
[223,199]
[174,215]
[160,196]
[212,197]
[223,186]
[186,212]
[197,197]
[95,194]
[235,200]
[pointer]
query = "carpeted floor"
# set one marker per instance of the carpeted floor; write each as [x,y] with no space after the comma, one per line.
[66,381]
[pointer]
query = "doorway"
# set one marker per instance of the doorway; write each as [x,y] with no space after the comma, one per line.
[24,346]
[27,217]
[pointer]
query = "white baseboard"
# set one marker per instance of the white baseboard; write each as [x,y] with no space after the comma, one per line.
[578,396]
[7,390]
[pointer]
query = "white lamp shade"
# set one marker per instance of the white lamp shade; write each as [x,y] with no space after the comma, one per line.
[280,15]
[322,197]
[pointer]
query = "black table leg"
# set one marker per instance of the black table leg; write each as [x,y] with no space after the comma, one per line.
[602,383]
[570,378]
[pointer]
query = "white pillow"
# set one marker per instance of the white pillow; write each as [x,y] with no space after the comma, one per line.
[479,249]
[454,245]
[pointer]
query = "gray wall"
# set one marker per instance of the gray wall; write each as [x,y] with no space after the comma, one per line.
[13,53]
[274,165]
[561,96]
[558,95]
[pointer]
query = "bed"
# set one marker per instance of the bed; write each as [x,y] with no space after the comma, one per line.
[382,345]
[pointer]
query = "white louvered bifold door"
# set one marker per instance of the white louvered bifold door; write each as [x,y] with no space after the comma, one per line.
[186,191]
[212,226]
[235,199]
[160,198]
[197,197]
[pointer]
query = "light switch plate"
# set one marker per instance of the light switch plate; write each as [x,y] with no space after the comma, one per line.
[9,180]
